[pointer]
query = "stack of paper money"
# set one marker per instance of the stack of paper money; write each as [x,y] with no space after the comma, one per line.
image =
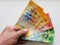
[37,22]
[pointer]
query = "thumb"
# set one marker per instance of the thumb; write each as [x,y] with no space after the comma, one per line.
[21,32]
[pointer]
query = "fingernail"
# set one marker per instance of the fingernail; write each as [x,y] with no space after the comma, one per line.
[25,30]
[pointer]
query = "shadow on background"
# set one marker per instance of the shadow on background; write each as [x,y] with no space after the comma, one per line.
[35,43]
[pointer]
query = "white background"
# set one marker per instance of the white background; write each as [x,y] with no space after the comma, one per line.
[10,11]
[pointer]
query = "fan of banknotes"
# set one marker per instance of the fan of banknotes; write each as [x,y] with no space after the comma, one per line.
[37,22]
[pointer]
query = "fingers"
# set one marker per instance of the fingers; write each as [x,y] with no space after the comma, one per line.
[11,28]
[14,28]
[18,31]
[21,32]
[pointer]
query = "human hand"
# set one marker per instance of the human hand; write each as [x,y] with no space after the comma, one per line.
[10,35]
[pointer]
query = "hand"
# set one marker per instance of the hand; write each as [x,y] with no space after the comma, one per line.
[10,35]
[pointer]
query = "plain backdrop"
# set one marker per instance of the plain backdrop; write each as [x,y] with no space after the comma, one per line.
[10,11]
